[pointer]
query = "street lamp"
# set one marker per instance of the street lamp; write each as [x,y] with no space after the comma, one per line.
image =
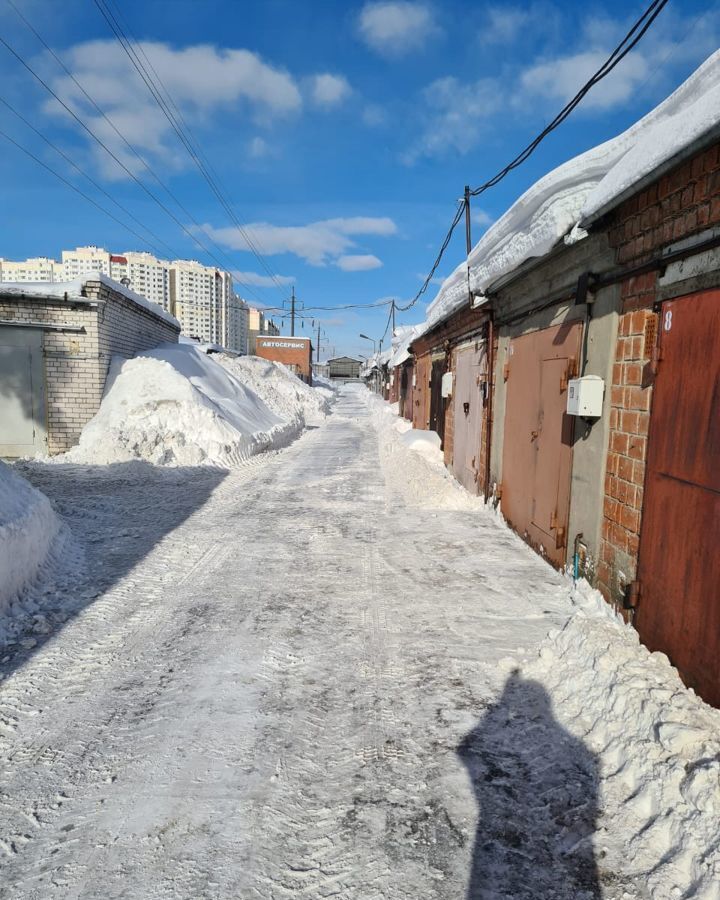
[372,341]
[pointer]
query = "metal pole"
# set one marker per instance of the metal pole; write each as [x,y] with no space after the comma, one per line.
[292,313]
[393,318]
[468,237]
[317,352]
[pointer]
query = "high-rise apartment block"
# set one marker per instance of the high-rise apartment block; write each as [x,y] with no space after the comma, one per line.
[201,297]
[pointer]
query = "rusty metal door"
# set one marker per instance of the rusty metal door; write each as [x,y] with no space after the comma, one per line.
[537,449]
[421,393]
[679,563]
[470,376]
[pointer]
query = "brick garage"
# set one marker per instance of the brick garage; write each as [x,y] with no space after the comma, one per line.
[79,328]
[682,203]
[295,353]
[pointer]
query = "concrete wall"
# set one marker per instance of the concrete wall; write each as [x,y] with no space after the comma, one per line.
[554,277]
[76,364]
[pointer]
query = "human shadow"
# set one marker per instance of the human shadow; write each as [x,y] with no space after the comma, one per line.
[113,516]
[536,789]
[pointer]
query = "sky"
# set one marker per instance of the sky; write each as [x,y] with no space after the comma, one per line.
[339,134]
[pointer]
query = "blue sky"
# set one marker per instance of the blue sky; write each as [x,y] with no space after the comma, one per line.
[343,133]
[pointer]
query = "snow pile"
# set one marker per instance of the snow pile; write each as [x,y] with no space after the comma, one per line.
[177,406]
[279,388]
[412,463]
[658,746]
[28,527]
[577,191]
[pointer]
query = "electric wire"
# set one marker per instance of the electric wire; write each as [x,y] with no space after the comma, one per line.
[229,264]
[155,92]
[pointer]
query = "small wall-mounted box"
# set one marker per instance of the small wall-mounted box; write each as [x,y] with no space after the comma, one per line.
[585,396]
[446,384]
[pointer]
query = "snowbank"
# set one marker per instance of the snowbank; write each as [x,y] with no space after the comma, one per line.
[28,527]
[657,743]
[573,194]
[281,390]
[175,405]
[426,443]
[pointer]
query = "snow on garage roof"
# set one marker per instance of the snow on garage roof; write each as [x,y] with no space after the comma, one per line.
[73,289]
[579,191]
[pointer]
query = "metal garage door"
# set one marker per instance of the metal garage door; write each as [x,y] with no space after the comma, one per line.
[421,393]
[537,447]
[470,376]
[679,564]
[22,393]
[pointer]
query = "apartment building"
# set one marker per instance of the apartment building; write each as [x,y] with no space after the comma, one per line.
[38,269]
[202,297]
[259,325]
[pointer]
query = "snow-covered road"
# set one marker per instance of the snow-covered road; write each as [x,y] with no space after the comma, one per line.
[285,681]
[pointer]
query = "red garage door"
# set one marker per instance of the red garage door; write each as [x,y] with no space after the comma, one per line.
[679,564]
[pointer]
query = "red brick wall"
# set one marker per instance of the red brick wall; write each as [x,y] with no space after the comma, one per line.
[299,356]
[681,203]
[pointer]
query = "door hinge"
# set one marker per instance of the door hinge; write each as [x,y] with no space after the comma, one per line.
[560,537]
[631,595]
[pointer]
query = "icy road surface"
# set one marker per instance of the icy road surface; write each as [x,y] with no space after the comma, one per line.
[285,682]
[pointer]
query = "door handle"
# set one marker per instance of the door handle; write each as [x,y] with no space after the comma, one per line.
[533,435]
[466,409]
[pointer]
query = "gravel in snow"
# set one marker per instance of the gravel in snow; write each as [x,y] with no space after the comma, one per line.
[318,676]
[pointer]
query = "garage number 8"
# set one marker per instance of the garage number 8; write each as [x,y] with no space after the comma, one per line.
[668,320]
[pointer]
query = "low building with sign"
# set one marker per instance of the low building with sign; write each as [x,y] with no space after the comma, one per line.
[294,352]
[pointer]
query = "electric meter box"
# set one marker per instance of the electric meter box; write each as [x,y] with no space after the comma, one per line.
[585,396]
[446,384]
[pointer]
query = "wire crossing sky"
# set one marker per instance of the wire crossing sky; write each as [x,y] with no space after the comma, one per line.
[319,145]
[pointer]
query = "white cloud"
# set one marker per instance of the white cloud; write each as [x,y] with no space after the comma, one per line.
[454,114]
[329,90]
[254,279]
[396,27]
[358,263]
[317,242]
[481,218]
[560,79]
[203,80]
[258,148]
[504,24]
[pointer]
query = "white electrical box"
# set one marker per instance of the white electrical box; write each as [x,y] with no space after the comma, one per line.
[585,396]
[446,384]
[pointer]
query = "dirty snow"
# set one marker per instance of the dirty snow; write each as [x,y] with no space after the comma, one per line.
[575,192]
[28,527]
[313,675]
[176,405]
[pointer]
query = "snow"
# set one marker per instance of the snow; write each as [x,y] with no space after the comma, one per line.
[573,194]
[28,527]
[176,405]
[74,290]
[426,443]
[279,388]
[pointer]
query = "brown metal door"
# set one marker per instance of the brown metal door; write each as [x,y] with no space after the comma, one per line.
[421,393]
[679,564]
[470,374]
[537,450]
[437,401]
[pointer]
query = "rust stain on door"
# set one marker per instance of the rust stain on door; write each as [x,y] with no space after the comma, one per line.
[679,561]
[537,449]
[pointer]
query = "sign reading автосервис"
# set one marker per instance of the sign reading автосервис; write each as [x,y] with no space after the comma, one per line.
[293,345]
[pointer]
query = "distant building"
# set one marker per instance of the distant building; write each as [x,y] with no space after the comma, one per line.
[344,367]
[39,269]
[259,324]
[294,352]
[146,274]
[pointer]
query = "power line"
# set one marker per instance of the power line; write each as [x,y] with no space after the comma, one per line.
[127,144]
[631,39]
[155,92]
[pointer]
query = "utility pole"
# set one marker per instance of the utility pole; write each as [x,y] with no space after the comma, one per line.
[392,309]
[468,237]
[292,310]
[317,350]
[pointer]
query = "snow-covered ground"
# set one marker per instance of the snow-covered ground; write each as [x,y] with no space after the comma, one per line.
[313,675]
[176,405]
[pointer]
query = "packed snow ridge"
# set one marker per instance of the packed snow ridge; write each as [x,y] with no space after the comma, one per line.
[28,527]
[573,195]
[177,405]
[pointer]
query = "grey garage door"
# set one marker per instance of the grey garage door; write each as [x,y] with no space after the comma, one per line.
[23,429]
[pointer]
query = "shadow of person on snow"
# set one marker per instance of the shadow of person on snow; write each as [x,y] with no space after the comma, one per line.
[536,789]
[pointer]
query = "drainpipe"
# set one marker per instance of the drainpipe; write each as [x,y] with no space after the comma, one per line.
[489,404]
